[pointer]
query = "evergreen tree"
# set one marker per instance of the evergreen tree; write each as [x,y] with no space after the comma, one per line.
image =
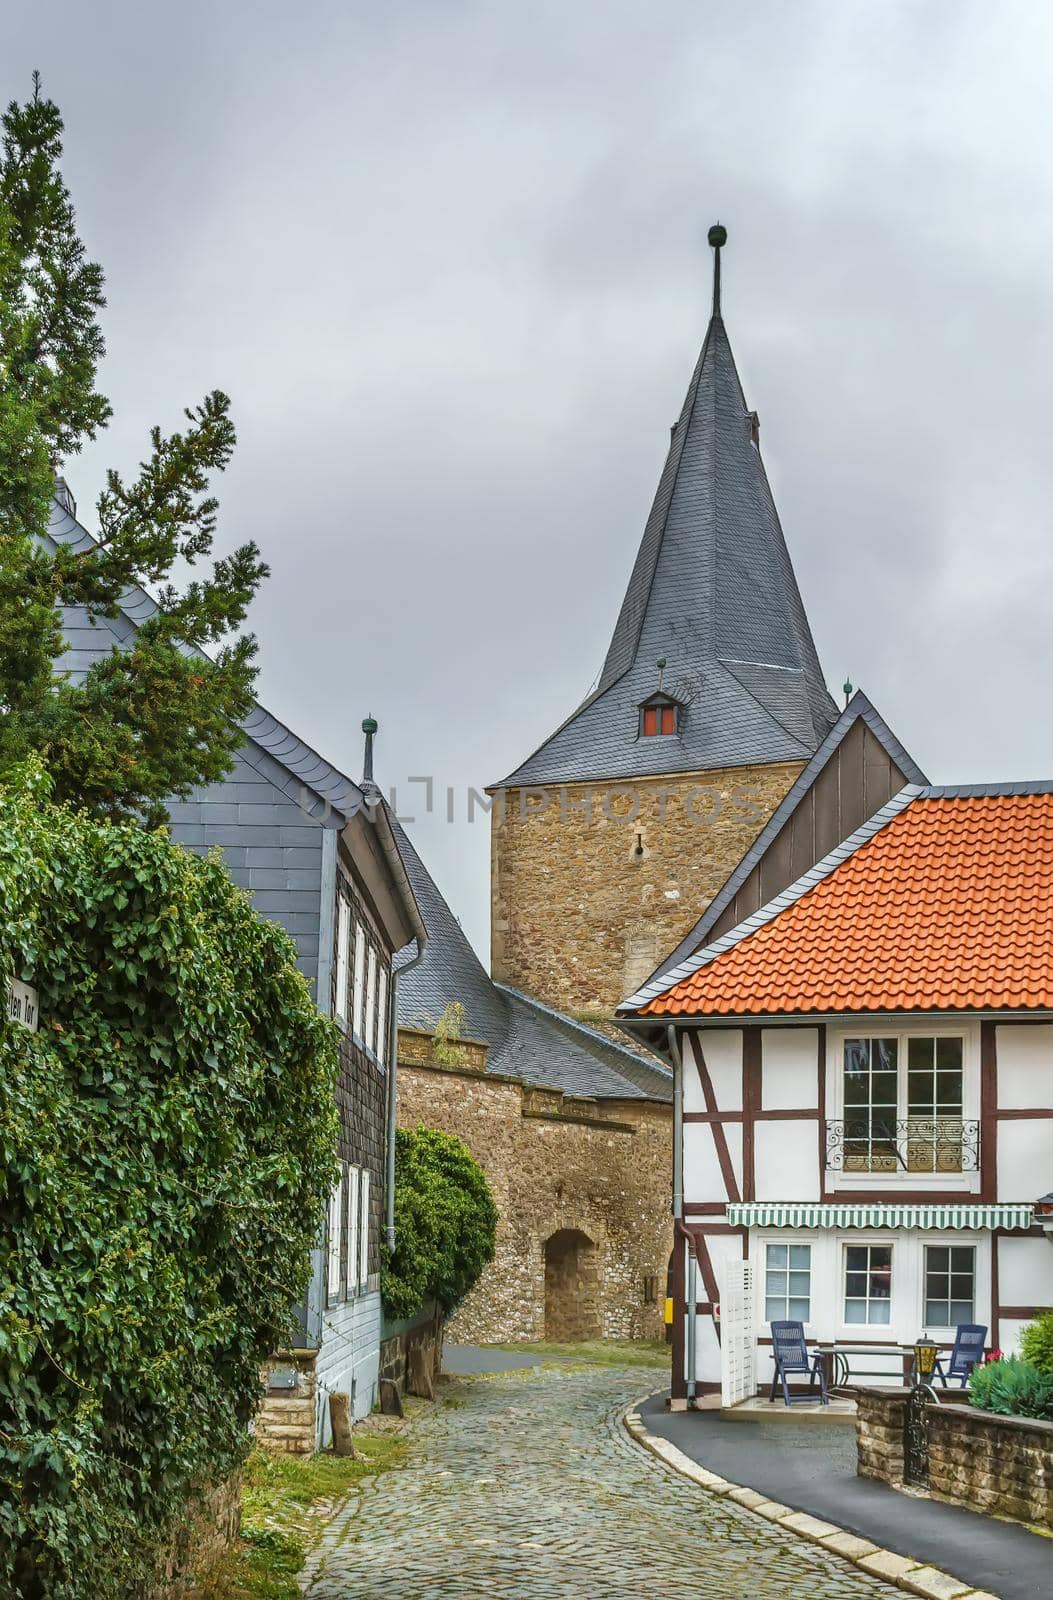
[153,720]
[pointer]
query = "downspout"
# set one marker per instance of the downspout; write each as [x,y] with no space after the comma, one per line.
[376,811]
[680,1233]
[393,1053]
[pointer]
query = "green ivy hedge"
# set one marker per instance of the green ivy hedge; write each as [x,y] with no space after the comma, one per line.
[445,1223]
[166,1148]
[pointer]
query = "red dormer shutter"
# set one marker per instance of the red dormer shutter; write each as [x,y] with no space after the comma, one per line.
[650,720]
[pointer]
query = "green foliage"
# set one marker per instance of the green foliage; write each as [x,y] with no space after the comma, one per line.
[445,1223]
[166,1149]
[156,720]
[1011,1387]
[1036,1343]
[445,1044]
[285,1502]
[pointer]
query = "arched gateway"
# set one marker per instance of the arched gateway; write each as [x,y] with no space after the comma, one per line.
[572,1287]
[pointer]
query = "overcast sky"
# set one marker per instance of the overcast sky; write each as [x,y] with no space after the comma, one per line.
[449,261]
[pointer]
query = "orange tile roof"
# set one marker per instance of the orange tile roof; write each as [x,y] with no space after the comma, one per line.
[948,907]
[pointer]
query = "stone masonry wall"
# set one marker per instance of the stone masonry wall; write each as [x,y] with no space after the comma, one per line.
[592,884]
[285,1421]
[204,1533]
[1000,1465]
[601,1169]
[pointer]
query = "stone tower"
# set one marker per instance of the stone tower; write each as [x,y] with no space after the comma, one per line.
[609,841]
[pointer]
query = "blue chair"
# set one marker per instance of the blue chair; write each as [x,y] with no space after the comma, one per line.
[791,1355]
[968,1350]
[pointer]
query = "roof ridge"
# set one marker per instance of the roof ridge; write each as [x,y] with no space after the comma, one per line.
[591,1033]
[779,903]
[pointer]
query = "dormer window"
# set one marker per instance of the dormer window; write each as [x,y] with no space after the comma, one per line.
[659,715]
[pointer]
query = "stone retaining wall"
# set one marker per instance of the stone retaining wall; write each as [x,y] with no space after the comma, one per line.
[205,1532]
[411,1358]
[1000,1465]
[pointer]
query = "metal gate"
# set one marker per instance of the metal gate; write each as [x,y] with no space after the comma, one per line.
[916,1434]
[738,1340]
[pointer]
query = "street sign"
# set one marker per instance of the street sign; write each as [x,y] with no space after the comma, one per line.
[23,1004]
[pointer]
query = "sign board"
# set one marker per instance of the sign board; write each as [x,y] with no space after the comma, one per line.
[23,1004]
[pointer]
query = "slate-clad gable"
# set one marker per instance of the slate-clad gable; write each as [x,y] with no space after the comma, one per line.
[713,594]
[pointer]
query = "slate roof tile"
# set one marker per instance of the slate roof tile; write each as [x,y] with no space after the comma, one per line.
[713,592]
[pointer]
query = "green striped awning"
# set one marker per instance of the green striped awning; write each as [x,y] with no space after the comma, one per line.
[859,1214]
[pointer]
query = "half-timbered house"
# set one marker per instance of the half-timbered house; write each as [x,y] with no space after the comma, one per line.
[864,1082]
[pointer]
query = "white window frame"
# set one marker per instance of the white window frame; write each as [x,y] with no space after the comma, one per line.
[859,1330]
[949,1244]
[359,980]
[334,1241]
[343,957]
[352,1229]
[788,1243]
[877,1027]
[382,1013]
[363,1233]
[371,1000]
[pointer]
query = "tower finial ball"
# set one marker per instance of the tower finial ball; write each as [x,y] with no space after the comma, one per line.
[718,235]
[369,725]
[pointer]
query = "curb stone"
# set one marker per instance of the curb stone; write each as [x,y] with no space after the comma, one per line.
[916,1577]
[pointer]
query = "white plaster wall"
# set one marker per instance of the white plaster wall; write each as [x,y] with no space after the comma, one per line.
[1025,1157]
[1025,1069]
[707,1351]
[786,1160]
[702,1176]
[789,1069]
[349,1358]
[722,1048]
[694,1099]
[1025,1272]
[1009,1331]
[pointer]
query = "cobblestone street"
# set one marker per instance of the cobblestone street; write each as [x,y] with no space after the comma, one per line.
[523,1485]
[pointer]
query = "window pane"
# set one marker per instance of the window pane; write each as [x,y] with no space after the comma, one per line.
[855,1311]
[962,1258]
[799,1282]
[777,1255]
[962,1285]
[799,1310]
[920,1054]
[949,1088]
[937,1258]
[857,1056]
[961,1311]
[856,1284]
[885,1087]
[880,1311]
[801,1256]
[774,1310]
[936,1315]
[884,1055]
[775,1283]
[949,1053]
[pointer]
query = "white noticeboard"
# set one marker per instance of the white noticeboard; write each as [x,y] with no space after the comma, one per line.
[23,1004]
[738,1341]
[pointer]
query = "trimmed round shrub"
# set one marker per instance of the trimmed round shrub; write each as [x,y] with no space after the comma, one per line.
[1036,1343]
[445,1223]
[166,1149]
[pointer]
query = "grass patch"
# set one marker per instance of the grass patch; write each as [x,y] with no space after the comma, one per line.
[285,1503]
[597,1352]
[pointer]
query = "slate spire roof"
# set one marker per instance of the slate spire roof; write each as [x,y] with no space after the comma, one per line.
[713,592]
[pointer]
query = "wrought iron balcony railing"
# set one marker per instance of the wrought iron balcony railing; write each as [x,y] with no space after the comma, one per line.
[867,1143]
